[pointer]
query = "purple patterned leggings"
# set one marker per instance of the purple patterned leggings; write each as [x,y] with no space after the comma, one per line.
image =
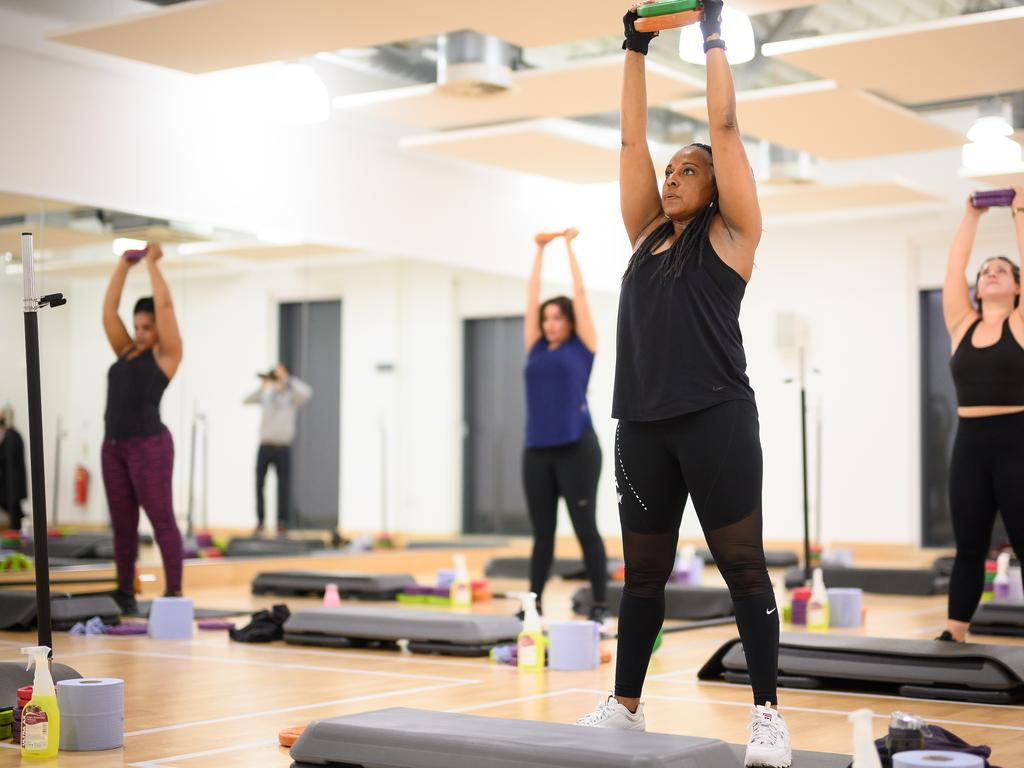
[138,471]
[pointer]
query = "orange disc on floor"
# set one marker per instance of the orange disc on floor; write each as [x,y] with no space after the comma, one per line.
[289,736]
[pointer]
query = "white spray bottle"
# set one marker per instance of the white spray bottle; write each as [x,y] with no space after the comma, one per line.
[530,644]
[461,590]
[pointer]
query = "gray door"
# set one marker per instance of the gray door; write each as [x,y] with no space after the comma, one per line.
[938,427]
[310,347]
[495,415]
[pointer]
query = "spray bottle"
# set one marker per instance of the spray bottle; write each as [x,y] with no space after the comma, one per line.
[1001,585]
[817,606]
[865,755]
[461,590]
[530,644]
[40,720]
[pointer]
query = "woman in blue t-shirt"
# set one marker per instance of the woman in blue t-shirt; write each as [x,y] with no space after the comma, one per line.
[562,457]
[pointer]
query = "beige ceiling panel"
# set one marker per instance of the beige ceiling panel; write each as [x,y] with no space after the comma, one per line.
[210,35]
[18,205]
[543,148]
[49,239]
[831,122]
[1013,178]
[818,198]
[583,88]
[258,252]
[965,56]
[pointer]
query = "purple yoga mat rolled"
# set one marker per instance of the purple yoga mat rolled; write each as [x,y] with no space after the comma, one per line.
[988,198]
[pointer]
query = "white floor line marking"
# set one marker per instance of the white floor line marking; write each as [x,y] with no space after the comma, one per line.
[668,676]
[163,761]
[506,702]
[854,695]
[301,707]
[394,658]
[816,711]
[285,665]
[9,746]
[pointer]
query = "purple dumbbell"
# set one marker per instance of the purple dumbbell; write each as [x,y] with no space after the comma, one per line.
[989,198]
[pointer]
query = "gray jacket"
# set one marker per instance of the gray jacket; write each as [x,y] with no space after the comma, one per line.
[277,425]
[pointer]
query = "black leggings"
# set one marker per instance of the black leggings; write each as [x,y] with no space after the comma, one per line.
[714,456]
[281,457]
[570,472]
[986,476]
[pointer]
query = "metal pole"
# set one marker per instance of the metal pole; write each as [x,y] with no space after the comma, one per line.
[35,438]
[803,445]
[206,474]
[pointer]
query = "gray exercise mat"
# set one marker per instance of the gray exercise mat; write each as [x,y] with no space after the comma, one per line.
[1005,617]
[413,738]
[368,623]
[882,581]
[365,586]
[519,568]
[915,667]
[682,601]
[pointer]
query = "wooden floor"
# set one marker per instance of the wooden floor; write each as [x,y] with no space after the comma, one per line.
[209,702]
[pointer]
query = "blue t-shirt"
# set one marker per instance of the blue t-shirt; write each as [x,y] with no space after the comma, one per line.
[556,392]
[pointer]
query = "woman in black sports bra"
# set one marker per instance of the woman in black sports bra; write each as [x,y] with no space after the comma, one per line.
[987,469]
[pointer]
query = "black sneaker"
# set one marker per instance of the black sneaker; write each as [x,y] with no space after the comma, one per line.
[598,613]
[126,602]
[521,614]
[946,637]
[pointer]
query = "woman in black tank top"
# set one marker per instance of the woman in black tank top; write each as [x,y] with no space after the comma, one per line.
[688,422]
[138,452]
[986,474]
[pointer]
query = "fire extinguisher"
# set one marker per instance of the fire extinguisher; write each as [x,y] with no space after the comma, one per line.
[81,485]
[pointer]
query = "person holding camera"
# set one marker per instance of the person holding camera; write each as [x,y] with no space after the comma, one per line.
[280,395]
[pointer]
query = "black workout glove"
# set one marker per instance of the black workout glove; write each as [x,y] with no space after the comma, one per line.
[636,41]
[711,21]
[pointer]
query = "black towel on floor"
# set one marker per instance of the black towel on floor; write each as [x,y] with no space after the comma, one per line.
[265,627]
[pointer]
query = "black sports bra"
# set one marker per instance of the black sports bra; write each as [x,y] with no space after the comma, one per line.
[992,375]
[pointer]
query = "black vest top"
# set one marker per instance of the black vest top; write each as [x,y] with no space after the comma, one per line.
[135,387]
[992,375]
[679,348]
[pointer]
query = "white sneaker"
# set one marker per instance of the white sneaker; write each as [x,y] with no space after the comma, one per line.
[768,745]
[611,714]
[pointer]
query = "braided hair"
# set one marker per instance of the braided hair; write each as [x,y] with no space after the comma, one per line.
[690,240]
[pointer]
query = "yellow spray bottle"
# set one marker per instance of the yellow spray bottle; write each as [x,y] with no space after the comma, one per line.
[40,720]
[530,645]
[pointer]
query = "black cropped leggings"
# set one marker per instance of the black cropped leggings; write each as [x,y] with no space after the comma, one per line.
[714,456]
[986,477]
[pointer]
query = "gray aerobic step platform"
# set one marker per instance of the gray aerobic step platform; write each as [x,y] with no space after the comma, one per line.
[882,581]
[682,601]
[990,674]
[416,738]
[361,586]
[774,558]
[18,609]
[999,618]
[456,634]
[519,568]
[257,547]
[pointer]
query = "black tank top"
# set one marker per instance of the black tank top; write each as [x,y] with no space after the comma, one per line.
[992,375]
[679,348]
[134,388]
